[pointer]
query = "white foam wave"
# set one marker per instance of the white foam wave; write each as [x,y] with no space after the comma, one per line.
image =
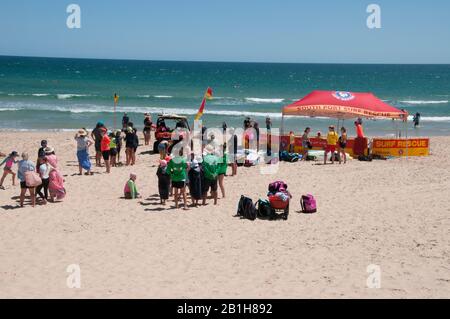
[40,94]
[419,102]
[163,96]
[261,100]
[69,96]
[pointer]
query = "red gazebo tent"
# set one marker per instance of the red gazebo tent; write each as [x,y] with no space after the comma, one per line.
[343,105]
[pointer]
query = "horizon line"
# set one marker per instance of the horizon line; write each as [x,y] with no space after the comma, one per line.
[211,61]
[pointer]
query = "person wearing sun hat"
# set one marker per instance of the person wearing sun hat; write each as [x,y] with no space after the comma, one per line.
[83,144]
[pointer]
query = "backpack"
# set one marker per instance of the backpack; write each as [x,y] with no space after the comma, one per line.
[308,203]
[364,158]
[246,208]
[278,186]
[265,211]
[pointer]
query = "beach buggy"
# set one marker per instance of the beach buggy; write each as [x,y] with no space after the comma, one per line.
[165,126]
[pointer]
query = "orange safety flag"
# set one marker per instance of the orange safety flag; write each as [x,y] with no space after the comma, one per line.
[208,96]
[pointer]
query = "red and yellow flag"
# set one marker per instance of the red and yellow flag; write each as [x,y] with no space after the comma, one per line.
[208,96]
[116,98]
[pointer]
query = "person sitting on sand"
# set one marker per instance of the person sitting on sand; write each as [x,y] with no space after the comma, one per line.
[177,169]
[9,162]
[342,144]
[332,139]
[306,143]
[25,165]
[83,144]
[163,181]
[130,190]
[210,174]
[195,182]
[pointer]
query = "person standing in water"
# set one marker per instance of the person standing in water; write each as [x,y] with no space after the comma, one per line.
[416,120]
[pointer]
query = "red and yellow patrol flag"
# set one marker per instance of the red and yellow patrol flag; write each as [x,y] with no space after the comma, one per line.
[208,96]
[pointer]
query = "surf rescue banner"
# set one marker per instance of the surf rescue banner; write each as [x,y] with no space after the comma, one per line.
[401,147]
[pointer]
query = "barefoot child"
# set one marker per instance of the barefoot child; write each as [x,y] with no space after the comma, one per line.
[130,190]
[195,182]
[9,162]
[163,181]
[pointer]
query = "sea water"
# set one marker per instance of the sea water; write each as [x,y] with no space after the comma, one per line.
[51,93]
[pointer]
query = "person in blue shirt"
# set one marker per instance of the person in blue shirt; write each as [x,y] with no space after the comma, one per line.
[25,165]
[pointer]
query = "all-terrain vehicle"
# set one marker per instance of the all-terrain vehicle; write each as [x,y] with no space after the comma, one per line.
[165,127]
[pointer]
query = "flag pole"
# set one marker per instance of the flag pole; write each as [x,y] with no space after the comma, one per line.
[115,106]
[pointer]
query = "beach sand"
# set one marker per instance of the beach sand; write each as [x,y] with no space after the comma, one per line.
[394,214]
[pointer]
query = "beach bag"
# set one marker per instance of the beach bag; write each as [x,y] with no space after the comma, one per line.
[32,179]
[246,208]
[278,186]
[265,211]
[364,158]
[308,203]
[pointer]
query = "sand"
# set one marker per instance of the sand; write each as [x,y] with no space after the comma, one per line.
[393,214]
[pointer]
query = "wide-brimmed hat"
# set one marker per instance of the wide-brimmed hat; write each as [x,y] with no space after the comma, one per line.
[49,150]
[82,132]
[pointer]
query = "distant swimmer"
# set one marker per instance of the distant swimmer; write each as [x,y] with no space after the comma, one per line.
[416,120]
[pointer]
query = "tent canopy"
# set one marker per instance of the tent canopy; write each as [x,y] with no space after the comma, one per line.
[343,105]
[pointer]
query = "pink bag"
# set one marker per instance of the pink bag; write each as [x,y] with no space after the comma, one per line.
[32,179]
[308,203]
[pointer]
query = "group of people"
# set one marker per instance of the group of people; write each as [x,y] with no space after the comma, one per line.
[336,143]
[108,146]
[42,179]
[176,175]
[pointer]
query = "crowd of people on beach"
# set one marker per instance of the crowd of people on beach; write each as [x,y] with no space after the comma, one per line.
[178,174]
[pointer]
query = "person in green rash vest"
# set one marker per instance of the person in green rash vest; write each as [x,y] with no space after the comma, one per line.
[177,169]
[222,170]
[130,189]
[210,173]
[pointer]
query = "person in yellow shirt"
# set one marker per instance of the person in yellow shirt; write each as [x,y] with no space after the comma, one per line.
[332,139]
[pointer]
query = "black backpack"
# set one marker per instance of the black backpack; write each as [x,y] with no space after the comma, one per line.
[246,208]
[265,211]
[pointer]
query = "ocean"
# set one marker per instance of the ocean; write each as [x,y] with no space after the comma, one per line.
[56,94]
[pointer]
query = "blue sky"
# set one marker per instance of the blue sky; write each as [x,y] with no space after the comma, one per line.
[321,31]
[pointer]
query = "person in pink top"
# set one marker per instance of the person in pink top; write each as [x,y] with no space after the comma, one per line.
[9,162]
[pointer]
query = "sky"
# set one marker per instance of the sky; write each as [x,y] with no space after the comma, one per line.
[319,31]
